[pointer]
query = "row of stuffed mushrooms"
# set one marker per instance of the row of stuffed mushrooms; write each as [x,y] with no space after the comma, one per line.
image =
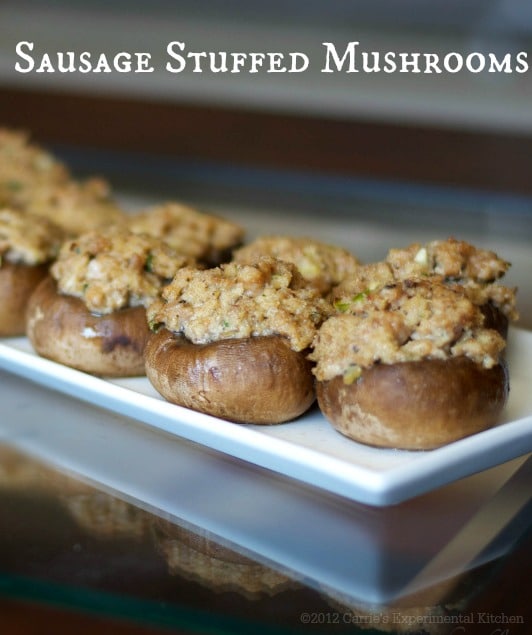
[407,352]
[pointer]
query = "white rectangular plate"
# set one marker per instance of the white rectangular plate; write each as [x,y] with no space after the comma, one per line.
[308,449]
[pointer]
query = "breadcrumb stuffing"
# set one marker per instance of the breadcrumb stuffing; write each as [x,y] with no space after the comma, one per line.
[203,236]
[35,181]
[113,269]
[452,262]
[76,206]
[320,264]
[404,321]
[451,258]
[27,239]
[461,263]
[24,165]
[236,300]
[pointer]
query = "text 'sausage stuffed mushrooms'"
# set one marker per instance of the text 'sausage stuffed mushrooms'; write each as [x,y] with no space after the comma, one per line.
[232,341]
[90,312]
[28,245]
[410,365]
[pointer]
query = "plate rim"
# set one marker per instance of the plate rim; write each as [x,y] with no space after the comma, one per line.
[333,474]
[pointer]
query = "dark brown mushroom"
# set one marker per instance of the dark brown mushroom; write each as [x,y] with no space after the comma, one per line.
[416,405]
[61,328]
[254,380]
[17,283]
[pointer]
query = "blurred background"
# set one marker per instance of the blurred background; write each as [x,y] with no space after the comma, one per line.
[387,157]
[476,102]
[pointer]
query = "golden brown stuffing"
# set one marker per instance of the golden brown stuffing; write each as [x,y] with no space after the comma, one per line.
[114,268]
[320,264]
[27,239]
[33,180]
[76,206]
[404,321]
[453,259]
[240,301]
[453,262]
[23,165]
[202,236]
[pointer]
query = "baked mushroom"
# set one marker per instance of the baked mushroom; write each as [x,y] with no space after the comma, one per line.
[320,264]
[232,341]
[207,238]
[28,244]
[410,365]
[90,312]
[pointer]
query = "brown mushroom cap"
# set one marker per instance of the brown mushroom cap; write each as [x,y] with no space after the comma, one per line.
[17,283]
[416,405]
[255,380]
[61,328]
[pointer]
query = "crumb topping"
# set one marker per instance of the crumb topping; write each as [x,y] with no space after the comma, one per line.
[460,263]
[76,206]
[23,165]
[404,321]
[114,268]
[236,300]
[197,234]
[33,180]
[320,264]
[27,239]
[453,262]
